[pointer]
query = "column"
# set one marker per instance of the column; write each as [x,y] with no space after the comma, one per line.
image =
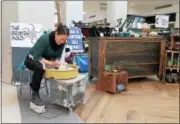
[8,16]
[116,10]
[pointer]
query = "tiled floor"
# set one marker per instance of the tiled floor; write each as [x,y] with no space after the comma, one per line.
[10,105]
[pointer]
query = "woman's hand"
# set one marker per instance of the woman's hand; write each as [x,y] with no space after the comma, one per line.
[56,63]
[51,64]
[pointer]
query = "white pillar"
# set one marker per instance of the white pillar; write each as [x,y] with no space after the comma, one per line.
[8,16]
[116,10]
[71,10]
[177,20]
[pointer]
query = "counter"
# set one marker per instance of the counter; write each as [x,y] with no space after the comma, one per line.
[140,57]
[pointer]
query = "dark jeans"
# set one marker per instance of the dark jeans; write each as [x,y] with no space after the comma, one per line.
[38,73]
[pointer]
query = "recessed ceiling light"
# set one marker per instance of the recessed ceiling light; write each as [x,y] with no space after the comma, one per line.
[84,12]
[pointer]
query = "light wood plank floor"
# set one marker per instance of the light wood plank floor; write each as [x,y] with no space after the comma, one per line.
[146,101]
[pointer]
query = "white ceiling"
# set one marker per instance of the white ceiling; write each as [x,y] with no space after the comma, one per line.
[139,7]
[149,3]
[92,6]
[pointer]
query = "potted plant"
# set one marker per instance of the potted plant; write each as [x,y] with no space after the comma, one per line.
[170,63]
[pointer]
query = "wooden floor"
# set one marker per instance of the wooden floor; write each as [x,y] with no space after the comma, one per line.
[146,101]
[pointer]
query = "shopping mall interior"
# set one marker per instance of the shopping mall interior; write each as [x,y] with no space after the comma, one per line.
[119,64]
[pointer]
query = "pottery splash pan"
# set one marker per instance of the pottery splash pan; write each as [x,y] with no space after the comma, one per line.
[69,71]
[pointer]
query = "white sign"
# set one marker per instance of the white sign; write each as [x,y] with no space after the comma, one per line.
[162,21]
[25,34]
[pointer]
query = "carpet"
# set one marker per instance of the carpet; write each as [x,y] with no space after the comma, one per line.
[53,114]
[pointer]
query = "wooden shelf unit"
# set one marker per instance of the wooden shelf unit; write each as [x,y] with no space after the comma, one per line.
[173,41]
[173,52]
[172,68]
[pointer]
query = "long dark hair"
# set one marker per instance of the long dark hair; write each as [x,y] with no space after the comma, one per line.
[62,29]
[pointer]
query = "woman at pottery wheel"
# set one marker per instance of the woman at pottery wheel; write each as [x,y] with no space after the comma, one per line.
[46,52]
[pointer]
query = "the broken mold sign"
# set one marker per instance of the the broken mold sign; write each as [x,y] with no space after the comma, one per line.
[25,34]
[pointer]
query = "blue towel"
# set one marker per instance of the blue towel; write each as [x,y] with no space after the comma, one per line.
[120,87]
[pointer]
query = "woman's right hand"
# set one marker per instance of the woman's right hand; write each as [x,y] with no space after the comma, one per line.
[54,64]
[49,64]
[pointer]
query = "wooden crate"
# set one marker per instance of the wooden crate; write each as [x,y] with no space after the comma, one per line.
[140,57]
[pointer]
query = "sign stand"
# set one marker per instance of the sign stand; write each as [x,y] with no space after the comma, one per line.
[23,38]
[75,40]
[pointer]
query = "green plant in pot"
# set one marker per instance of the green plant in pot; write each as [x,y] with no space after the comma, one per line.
[178,64]
[110,68]
[175,63]
[170,63]
[107,67]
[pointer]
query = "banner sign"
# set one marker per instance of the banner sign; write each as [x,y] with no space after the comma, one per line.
[75,40]
[25,34]
[162,21]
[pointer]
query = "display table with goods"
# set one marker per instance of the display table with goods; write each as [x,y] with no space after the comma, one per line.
[67,86]
[139,57]
[171,71]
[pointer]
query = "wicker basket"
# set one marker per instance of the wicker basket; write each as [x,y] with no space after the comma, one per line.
[62,75]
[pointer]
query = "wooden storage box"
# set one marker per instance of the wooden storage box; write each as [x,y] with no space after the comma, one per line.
[110,81]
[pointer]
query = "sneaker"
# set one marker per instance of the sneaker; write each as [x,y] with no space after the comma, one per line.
[36,99]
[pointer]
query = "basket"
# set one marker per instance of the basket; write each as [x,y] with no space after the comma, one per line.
[62,75]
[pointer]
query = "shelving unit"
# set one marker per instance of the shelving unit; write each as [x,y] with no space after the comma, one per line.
[170,64]
[172,68]
[172,51]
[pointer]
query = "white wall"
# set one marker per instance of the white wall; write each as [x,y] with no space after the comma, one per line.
[71,10]
[0,42]
[177,20]
[143,11]
[99,16]
[116,10]
[151,11]
[174,8]
[138,11]
[0,62]
[74,11]
[93,6]
[22,11]
[41,12]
